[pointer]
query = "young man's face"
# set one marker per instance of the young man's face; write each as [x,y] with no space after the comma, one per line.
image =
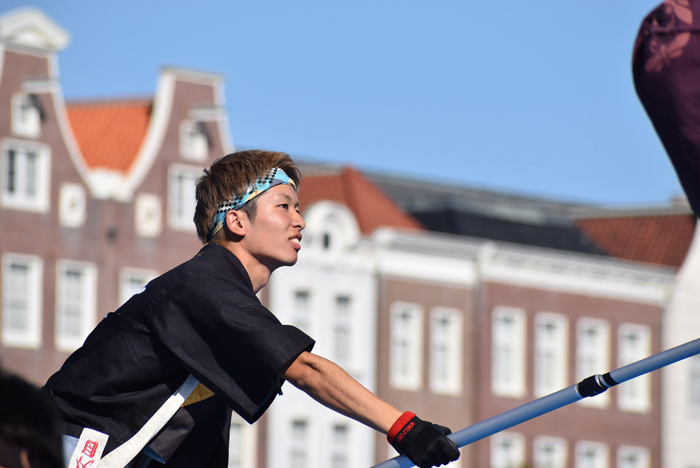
[273,238]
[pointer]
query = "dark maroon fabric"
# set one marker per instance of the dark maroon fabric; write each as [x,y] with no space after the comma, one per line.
[666,68]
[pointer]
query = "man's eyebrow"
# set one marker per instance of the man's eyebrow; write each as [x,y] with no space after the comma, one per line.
[289,199]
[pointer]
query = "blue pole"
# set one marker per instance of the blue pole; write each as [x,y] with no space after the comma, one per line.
[591,386]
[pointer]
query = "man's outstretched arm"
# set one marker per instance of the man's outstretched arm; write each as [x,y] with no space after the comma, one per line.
[331,386]
[424,443]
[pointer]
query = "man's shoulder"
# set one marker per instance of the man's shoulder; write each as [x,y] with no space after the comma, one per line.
[214,260]
[208,268]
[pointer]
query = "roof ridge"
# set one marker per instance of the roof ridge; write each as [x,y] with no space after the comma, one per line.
[635,212]
[110,103]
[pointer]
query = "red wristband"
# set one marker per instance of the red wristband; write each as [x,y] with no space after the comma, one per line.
[398,426]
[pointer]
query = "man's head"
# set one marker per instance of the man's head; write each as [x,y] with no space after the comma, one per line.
[230,178]
[29,426]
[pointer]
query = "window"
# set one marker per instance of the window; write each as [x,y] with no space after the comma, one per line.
[406,346]
[633,457]
[634,343]
[132,281]
[71,205]
[332,235]
[302,311]
[550,452]
[507,450]
[182,198]
[25,176]
[241,446]
[591,455]
[694,384]
[75,303]
[26,115]
[194,142]
[341,445]
[551,353]
[341,331]
[235,446]
[445,351]
[148,215]
[21,300]
[508,352]
[592,355]
[299,443]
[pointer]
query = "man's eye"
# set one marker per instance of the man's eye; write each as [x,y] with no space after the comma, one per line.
[284,205]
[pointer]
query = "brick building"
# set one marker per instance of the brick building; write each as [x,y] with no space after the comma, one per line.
[453,303]
[96,198]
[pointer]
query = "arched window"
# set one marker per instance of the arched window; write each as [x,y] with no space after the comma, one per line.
[26,115]
[331,228]
[194,141]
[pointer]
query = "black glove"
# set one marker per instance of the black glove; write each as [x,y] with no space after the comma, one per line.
[422,442]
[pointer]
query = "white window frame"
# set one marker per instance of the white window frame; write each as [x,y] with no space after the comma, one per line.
[593,358]
[194,141]
[242,444]
[340,448]
[508,352]
[180,218]
[634,395]
[342,330]
[694,385]
[26,116]
[641,454]
[601,451]
[126,275]
[446,351]
[406,352]
[557,448]
[507,450]
[302,312]
[299,443]
[551,353]
[148,215]
[19,199]
[87,303]
[72,205]
[30,336]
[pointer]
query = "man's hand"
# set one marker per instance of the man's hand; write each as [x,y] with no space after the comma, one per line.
[422,442]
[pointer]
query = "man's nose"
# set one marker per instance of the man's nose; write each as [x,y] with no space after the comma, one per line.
[299,221]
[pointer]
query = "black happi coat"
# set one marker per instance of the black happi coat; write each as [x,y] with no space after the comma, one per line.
[201,318]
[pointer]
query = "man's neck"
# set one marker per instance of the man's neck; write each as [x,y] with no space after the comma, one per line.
[259,274]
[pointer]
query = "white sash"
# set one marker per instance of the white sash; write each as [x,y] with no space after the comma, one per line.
[88,452]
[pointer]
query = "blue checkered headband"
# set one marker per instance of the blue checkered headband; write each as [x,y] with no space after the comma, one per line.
[272,178]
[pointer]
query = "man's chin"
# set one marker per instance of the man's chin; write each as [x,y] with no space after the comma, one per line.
[282,263]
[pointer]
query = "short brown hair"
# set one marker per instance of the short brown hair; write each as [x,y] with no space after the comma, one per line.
[230,176]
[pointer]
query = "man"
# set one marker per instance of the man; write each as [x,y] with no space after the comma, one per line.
[158,378]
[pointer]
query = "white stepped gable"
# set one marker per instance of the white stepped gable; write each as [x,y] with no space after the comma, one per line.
[30,27]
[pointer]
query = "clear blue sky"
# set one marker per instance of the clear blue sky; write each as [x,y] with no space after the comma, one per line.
[528,97]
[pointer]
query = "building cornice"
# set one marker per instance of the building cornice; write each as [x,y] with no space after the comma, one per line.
[448,257]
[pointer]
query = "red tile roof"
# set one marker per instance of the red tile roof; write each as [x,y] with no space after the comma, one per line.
[369,204]
[661,239]
[110,134]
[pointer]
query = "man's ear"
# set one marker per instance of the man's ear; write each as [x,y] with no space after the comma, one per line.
[234,222]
